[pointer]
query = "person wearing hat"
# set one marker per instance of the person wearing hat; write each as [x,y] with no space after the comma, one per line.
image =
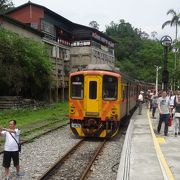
[140,101]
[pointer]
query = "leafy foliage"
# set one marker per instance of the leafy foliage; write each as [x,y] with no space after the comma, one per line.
[5,5]
[25,66]
[136,54]
[94,25]
[123,33]
[32,116]
[175,18]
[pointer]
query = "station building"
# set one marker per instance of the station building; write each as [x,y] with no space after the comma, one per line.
[71,46]
[19,28]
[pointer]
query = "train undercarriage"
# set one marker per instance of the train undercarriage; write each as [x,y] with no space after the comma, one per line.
[94,127]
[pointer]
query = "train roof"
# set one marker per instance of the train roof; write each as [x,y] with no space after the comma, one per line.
[96,72]
[103,69]
[107,67]
[98,69]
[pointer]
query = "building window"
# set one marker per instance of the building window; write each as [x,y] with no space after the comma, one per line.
[48,28]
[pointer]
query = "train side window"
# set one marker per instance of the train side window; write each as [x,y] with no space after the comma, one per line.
[77,88]
[92,90]
[110,86]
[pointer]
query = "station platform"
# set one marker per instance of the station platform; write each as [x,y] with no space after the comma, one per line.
[147,155]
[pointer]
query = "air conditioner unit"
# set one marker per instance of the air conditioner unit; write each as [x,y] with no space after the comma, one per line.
[67,56]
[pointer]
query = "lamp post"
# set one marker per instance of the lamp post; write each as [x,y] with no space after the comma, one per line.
[175,50]
[157,69]
[166,42]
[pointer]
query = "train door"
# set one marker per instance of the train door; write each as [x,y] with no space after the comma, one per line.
[92,94]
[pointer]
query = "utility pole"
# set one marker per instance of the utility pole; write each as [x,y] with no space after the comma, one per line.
[175,50]
[57,78]
[63,74]
[157,69]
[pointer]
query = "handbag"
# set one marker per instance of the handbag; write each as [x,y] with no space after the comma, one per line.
[170,121]
[19,145]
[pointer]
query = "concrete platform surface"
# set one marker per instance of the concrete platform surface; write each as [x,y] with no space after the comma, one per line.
[150,156]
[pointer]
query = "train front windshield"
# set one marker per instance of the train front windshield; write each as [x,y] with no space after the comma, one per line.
[77,88]
[110,87]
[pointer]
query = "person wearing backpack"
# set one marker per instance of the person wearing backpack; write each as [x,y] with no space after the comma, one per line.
[11,148]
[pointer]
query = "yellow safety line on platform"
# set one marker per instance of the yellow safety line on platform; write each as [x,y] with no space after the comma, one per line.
[160,140]
[159,152]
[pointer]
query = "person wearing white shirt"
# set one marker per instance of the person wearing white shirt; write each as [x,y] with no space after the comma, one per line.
[140,101]
[11,147]
[171,100]
[177,113]
[164,112]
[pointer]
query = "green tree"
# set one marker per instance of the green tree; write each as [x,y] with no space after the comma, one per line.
[5,5]
[154,34]
[128,39]
[174,21]
[94,25]
[25,66]
[135,54]
[149,55]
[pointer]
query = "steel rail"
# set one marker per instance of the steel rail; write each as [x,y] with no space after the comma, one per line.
[87,170]
[60,161]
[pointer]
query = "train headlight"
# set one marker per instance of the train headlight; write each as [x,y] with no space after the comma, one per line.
[114,114]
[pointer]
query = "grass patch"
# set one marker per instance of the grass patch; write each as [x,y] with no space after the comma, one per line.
[29,118]
[34,122]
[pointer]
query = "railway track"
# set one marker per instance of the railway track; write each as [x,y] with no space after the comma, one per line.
[76,163]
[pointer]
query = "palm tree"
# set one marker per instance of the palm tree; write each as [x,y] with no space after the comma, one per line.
[174,21]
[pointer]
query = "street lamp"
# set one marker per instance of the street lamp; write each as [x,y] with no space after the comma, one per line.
[157,69]
[166,42]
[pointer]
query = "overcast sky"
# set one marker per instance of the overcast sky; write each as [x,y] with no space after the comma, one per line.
[147,15]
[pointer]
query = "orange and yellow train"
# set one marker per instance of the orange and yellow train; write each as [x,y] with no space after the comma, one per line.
[99,97]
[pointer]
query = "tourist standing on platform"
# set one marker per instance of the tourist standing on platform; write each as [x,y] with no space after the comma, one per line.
[150,100]
[177,113]
[154,105]
[171,100]
[164,112]
[140,101]
[147,98]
